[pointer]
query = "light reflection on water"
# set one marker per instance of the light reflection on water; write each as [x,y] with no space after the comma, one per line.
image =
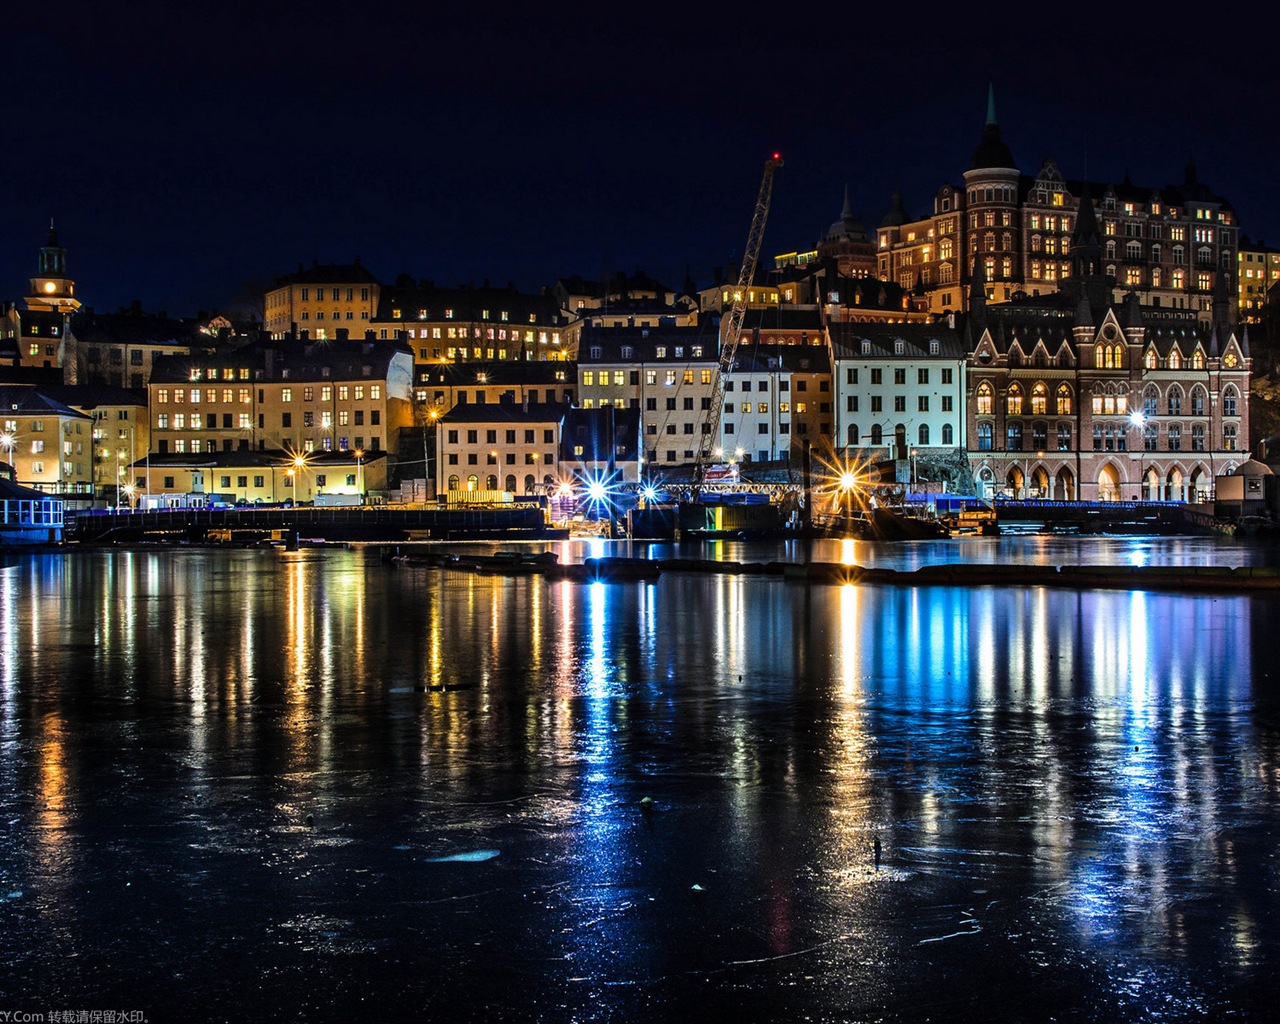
[1073,790]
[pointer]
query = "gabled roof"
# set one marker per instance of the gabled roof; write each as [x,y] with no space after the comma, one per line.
[328,273]
[32,400]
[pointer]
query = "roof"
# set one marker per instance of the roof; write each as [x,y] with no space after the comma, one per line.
[278,362]
[847,341]
[784,358]
[90,396]
[676,344]
[506,412]
[328,273]
[31,400]
[466,305]
[513,372]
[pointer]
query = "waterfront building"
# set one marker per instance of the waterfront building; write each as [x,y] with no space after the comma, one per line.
[668,373]
[1169,245]
[473,324]
[322,300]
[250,476]
[294,396]
[48,444]
[899,388]
[755,422]
[1073,395]
[499,447]
[121,432]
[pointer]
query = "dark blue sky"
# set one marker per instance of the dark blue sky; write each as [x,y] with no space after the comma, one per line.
[189,152]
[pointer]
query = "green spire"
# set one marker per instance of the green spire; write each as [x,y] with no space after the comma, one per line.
[991,103]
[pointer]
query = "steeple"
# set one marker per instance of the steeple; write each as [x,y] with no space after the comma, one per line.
[51,288]
[991,151]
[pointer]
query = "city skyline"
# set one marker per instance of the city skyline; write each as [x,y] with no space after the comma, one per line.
[199,153]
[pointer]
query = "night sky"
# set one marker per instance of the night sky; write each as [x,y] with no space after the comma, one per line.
[190,153]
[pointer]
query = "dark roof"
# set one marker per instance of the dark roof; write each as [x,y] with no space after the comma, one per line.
[790,358]
[847,339]
[329,273]
[90,396]
[645,342]
[292,361]
[135,328]
[28,399]
[506,412]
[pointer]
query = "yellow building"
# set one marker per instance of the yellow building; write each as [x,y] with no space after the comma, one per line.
[323,301]
[1259,272]
[335,397]
[512,448]
[121,433]
[49,444]
[271,477]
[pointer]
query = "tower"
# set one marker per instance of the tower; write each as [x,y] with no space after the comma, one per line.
[51,288]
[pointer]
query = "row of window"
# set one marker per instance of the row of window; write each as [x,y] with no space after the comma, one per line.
[179,445]
[1106,437]
[306,315]
[336,294]
[852,403]
[345,393]
[877,435]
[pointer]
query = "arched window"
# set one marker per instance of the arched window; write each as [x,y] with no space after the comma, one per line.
[1150,437]
[1014,437]
[944,249]
[1116,358]
[984,437]
[946,273]
[491,482]
[1156,277]
[877,436]
[923,433]
[529,483]
[1150,361]
[1197,437]
[1197,359]
[1197,401]
[853,433]
[1100,356]
[1064,400]
[1229,397]
[1133,250]
[1229,437]
[1175,402]
[453,482]
[1175,360]
[1039,400]
[511,483]
[1150,400]
[1013,401]
[984,399]
[473,483]
[948,437]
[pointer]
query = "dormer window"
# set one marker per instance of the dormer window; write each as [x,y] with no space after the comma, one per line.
[933,348]
[866,347]
[899,347]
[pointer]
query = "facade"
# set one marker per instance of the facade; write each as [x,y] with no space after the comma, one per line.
[898,388]
[38,336]
[499,447]
[295,397]
[323,300]
[602,445]
[120,432]
[48,444]
[257,477]
[1074,396]
[755,422]
[441,386]
[666,373]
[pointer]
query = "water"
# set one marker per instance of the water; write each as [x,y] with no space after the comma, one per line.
[312,785]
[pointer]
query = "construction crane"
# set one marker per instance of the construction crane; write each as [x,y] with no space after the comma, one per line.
[732,329]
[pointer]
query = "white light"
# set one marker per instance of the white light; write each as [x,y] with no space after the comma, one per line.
[595,490]
[649,494]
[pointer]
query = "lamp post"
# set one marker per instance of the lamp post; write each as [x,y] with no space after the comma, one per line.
[1139,421]
[360,474]
[8,441]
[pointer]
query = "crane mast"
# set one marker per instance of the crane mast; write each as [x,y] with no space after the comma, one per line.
[732,330]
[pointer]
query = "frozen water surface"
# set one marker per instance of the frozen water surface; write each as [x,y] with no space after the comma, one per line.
[241,784]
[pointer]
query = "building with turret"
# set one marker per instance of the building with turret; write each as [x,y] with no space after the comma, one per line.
[1073,394]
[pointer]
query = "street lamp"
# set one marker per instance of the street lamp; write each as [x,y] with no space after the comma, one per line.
[8,441]
[360,474]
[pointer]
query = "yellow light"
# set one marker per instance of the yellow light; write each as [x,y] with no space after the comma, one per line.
[50,287]
[848,481]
